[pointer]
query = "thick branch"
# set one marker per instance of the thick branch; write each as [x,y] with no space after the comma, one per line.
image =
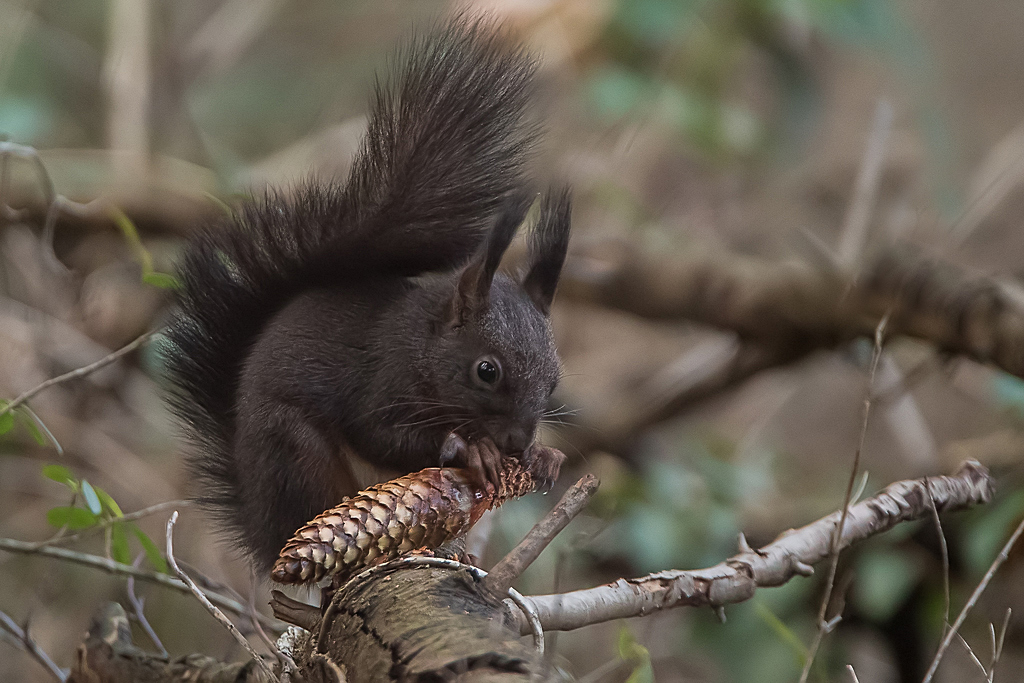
[795,308]
[792,554]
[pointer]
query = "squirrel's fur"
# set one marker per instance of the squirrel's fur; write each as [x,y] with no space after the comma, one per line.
[339,321]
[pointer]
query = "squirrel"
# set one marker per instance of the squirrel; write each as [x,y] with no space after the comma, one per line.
[353,331]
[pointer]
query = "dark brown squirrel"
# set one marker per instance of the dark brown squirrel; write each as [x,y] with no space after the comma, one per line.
[361,327]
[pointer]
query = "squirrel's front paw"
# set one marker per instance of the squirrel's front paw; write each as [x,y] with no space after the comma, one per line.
[544,463]
[482,457]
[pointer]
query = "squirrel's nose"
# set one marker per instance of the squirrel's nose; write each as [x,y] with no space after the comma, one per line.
[514,440]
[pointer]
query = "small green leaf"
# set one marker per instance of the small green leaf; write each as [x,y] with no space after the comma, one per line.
[6,423]
[131,235]
[152,552]
[108,502]
[37,428]
[71,517]
[32,429]
[92,501]
[119,544]
[161,280]
[61,475]
[637,655]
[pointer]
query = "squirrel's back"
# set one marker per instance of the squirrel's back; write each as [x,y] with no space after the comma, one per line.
[447,141]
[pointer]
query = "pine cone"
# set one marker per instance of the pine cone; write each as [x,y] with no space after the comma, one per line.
[420,510]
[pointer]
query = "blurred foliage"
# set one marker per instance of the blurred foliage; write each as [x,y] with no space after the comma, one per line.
[94,508]
[686,63]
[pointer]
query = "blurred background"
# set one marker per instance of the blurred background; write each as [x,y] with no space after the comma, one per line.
[734,128]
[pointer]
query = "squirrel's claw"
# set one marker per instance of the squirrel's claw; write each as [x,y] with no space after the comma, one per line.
[544,463]
[482,457]
[453,450]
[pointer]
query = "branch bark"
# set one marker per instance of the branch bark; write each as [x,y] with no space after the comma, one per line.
[794,308]
[792,554]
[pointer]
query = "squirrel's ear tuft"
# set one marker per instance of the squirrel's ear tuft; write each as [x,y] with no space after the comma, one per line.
[548,245]
[473,290]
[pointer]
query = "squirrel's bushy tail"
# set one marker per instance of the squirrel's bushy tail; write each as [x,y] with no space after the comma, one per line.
[447,140]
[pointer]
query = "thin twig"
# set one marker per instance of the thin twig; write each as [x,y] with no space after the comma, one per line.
[31,646]
[80,372]
[210,607]
[503,574]
[287,663]
[113,567]
[945,556]
[996,563]
[138,607]
[130,517]
[858,215]
[819,635]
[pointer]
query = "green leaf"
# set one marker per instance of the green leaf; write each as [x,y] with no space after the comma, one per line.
[119,544]
[61,475]
[6,423]
[37,428]
[92,501]
[32,429]
[108,502]
[72,517]
[161,280]
[156,559]
[131,235]
[637,655]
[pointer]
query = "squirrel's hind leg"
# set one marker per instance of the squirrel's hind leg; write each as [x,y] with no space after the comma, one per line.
[292,471]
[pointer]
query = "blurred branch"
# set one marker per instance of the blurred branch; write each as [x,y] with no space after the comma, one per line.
[108,565]
[782,312]
[30,646]
[858,214]
[792,554]
[1003,555]
[80,372]
[126,72]
[109,656]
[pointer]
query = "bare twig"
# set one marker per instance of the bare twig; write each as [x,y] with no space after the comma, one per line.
[80,372]
[31,646]
[792,554]
[210,607]
[108,565]
[503,574]
[138,607]
[823,626]
[945,559]
[982,585]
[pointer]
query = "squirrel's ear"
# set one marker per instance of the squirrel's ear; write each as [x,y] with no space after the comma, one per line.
[473,290]
[548,244]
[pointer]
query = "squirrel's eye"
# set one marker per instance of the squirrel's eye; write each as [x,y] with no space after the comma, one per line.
[487,371]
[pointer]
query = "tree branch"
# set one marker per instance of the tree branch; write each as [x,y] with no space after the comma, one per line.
[108,565]
[504,573]
[792,554]
[795,308]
